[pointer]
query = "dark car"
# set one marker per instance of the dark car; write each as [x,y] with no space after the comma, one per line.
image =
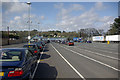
[40,46]
[84,41]
[66,42]
[48,41]
[42,42]
[70,43]
[63,42]
[16,64]
[33,48]
[89,41]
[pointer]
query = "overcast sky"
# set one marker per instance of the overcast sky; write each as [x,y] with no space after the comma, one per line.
[68,16]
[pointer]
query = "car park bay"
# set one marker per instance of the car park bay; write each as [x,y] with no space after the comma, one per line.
[82,60]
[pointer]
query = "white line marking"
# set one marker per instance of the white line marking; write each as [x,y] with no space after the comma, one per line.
[37,65]
[102,50]
[107,51]
[91,59]
[99,54]
[68,63]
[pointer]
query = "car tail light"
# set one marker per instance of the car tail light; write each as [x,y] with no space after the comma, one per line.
[35,51]
[17,72]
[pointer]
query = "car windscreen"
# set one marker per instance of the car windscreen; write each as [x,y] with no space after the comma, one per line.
[71,41]
[10,55]
[30,47]
[39,44]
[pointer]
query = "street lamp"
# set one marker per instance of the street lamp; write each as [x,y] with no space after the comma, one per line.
[8,34]
[29,3]
[38,28]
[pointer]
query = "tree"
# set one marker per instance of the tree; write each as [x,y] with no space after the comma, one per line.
[101,31]
[88,32]
[58,31]
[34,30]
[63,31]
[115,27]
[55,34]
[83,33]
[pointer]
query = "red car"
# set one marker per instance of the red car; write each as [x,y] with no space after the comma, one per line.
[71,43]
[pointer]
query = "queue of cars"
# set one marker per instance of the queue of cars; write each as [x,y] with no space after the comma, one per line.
[70,42]
[19,63]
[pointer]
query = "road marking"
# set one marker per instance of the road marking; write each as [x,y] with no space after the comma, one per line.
[91,59]
[108,49]
[41,60]
[68,63]
[99,54]
[37,64]
[102,50]
[108,52]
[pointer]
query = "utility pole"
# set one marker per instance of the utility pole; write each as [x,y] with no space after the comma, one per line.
[8,35]
[29,3]
[38,28]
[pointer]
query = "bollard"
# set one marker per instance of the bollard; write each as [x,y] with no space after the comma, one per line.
[108,42]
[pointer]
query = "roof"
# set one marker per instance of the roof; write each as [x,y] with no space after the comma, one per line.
[13,49]
[30,44]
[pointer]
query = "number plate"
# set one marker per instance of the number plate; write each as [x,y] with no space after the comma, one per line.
[1,73]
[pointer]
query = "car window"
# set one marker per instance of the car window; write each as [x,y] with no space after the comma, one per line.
[10,55]
[71,41]
[36,47]
[28,55]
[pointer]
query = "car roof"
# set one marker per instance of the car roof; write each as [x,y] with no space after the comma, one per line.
[13,49]
[30,44]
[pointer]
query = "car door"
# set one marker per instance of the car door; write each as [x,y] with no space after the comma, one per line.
[34,58]
[28,62]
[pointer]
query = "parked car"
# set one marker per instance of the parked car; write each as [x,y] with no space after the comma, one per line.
[84,41]
[48,41]
[17,64]
[40,46]
[33,48]
[42,42]
[81,41]
[89,41]
[70,43]
[66,42]
[63,42]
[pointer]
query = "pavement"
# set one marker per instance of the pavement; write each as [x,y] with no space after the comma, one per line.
[83,61]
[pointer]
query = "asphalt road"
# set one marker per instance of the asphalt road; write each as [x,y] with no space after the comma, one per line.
[94,61]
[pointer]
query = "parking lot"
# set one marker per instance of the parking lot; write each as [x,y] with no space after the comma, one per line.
[83,60]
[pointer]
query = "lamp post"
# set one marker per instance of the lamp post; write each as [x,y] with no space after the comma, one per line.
[38,28]
[29,3]
[8,34]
